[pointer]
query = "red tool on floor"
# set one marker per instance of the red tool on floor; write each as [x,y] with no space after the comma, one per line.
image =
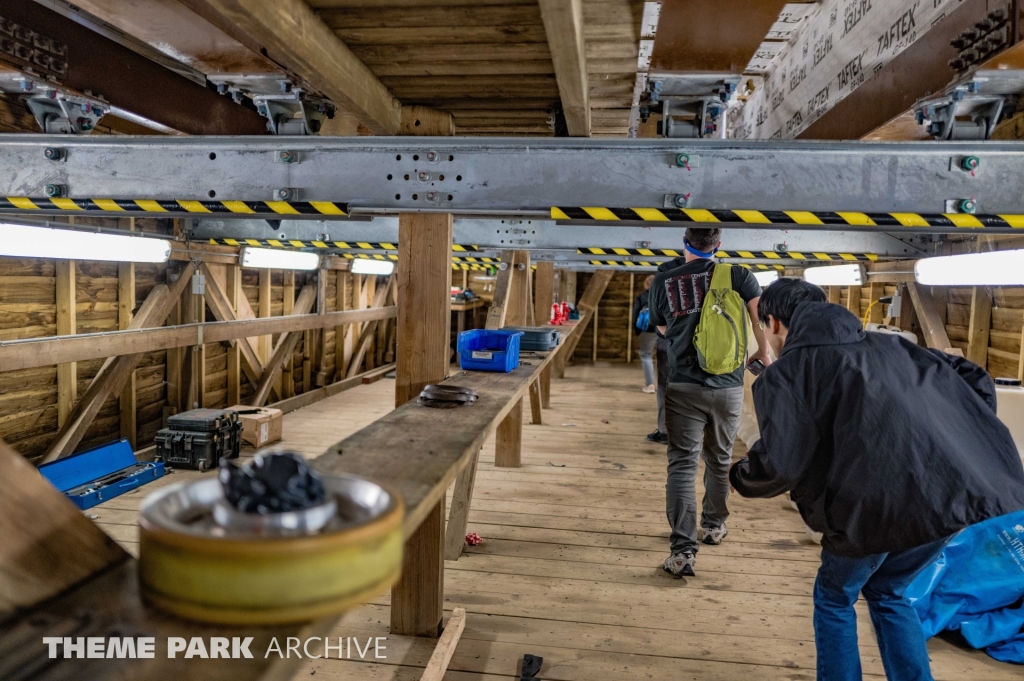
[473,539]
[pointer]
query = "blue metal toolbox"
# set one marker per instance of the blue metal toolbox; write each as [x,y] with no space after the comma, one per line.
[96,475]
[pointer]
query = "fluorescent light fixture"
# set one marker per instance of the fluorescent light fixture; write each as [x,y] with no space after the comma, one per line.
[765,278]
[997,268]
[835,275]
[367,266]
[278,260]
[24,241]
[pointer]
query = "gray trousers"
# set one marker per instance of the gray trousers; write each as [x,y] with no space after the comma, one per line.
[701,421]
[645,348]
[661,347]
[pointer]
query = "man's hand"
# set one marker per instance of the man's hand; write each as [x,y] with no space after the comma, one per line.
[761,354]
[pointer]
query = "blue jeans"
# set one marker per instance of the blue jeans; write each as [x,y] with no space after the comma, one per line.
[882,578]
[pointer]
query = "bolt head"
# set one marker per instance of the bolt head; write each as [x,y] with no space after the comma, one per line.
[283,194]
[968,206]
[53,153]
[682,201]
[682,160]
[286,156]
[431,196]
[431,155]
[424,176]
[970,162]
[53,190]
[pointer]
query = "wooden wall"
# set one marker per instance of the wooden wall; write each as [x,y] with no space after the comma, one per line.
[28,299]
[613,323]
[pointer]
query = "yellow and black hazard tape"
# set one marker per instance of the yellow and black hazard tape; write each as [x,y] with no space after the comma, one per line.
[641,263]
[750,255]
[295,243]
[22,203]
[789,217]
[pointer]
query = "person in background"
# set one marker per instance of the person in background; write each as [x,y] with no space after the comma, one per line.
[702,410]
[645,333]
[888,449]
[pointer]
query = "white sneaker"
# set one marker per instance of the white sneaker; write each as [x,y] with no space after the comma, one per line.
[714,536]
[680,564]
[649,389]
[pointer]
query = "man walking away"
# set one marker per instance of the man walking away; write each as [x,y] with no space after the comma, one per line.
[644,331]
[889,449]
[702,409]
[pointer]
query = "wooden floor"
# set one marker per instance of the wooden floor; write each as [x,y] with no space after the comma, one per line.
[570,565]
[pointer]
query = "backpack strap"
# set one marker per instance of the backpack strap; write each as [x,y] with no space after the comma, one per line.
[722,277]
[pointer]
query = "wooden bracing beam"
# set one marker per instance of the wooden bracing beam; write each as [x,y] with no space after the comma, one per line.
[285,347]
[366,336]
[932,328]
[563,23]
[292,35]
[116,371]
[502,289]
[223,311]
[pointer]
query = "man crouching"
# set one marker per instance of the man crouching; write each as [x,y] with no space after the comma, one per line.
[888,449]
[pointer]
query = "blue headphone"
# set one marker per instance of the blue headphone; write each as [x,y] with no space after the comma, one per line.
[694,251]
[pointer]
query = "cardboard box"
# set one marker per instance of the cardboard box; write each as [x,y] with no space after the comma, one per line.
[260,425]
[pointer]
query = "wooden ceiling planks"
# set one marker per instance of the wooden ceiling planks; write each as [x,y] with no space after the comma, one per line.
[612,32]
[486,62]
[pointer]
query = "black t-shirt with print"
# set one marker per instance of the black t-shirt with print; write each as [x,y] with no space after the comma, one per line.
[677,296]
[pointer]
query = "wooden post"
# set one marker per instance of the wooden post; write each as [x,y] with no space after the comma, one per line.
[498,312]
[125,308]
[234,293]
[593,328]
[458,516]
[424,302]
[980,324]
[424,316]
[1020,356]
[321,334]
[876,291]
[519,299]
[175,361]
[535,413]
[509,439]
[853,300]
[191,355]
[545,387]
[835,294]
[544,291]
[263,310]
[629,321]
[287,377]
[342,343]
[567,286]
[67,374]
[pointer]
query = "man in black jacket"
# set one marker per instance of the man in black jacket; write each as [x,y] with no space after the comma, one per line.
[888,449]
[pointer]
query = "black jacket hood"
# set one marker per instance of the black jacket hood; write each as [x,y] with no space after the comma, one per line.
[815,324]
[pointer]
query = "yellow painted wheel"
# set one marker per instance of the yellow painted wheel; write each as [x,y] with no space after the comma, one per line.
[193,568]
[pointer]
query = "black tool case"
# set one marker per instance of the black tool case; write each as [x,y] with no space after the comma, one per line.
[536,338]
[200,438]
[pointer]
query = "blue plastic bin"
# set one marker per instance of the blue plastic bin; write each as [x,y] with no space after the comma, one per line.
[483,350]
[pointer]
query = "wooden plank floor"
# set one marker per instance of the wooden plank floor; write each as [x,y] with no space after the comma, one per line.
[569,568]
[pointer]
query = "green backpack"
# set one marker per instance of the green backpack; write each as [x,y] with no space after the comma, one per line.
[721,336]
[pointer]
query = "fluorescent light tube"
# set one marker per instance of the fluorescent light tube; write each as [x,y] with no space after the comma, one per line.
[997,268]
[835,275]
[765,278]
[367,266]
[278,260]
[24,241]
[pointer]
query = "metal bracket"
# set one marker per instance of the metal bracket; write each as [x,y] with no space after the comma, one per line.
[293,112]
[60,113]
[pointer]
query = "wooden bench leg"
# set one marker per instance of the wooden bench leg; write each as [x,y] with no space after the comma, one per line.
[545,387]
[417,600]
[509,438]
[535,403]
[458,516]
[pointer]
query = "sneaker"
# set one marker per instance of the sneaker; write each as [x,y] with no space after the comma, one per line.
[649,389]
[680,564]
[714,536]
[659,437]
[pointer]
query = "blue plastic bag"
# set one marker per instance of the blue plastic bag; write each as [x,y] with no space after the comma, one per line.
[977,586]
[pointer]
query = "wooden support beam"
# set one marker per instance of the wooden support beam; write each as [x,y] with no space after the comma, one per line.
[520,302]
[535,406]
[234,294]
[424,301]
[593,337]
[125,308]
[508,442]
[876,290]
[980,325]
[1020,357]
[67,373]
[567,286]
[287,379]
[544,291]
[190,365]
[342,334]
[263,311]
[932,328]
[417,599]
[442,655]
[48,544]
[291,34]
[545,387]
[587,307]
[366,337]
[502,290]
[115,371]
[416,119]
[563,23]
[835,295]
[853,300]
[284,349]
[458,516]
[629,321]
[320,356]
